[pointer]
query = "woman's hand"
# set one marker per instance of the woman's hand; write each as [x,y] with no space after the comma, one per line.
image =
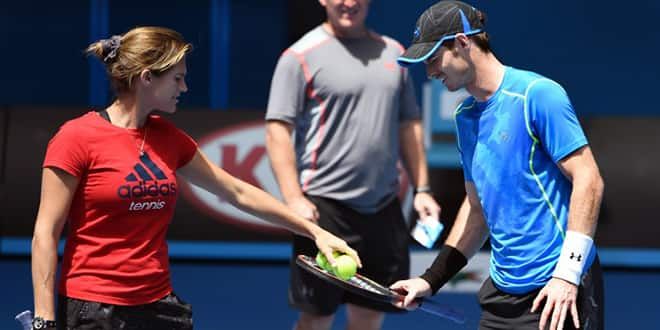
[327,243]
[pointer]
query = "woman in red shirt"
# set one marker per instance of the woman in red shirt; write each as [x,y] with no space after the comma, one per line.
[113,175]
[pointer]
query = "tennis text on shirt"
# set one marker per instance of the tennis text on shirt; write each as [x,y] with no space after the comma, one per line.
[142,193]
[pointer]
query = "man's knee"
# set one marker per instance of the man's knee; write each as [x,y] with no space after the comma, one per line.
[307,321]
[363,318]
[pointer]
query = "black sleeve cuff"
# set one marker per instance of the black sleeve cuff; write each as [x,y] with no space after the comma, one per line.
[447,264]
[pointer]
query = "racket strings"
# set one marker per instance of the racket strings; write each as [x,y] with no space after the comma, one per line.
[367,286]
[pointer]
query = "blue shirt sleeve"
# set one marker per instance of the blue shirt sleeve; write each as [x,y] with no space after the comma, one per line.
[464,141]
[553,120]
[467,170]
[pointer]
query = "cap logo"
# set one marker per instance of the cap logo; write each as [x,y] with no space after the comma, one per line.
[466,24]
[416,33]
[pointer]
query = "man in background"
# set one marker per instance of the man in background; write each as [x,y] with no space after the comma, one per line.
[354,114]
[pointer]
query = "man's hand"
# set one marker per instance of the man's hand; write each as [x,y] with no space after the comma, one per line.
[303,207]
[426,206]
[561,297]
[411,288]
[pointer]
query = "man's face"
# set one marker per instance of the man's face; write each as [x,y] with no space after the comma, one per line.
[346,14]
[450,67]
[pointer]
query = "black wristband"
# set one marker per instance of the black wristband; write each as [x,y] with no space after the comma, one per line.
[422,189]
[447,264]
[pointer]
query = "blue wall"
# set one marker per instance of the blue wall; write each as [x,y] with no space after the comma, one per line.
[42,44]
[602,52]
[605,53]
[41,52]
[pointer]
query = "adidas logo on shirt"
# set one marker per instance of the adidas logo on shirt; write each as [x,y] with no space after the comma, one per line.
[143,183]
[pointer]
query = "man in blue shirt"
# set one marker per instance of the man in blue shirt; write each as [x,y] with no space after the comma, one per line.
[533,186]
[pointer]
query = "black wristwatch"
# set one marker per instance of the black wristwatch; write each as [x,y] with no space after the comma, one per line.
[422,189]
[39,323]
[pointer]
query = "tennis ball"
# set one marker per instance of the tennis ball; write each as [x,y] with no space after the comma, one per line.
[346,267]
[322,261]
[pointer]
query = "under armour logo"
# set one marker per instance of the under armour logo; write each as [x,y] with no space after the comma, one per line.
[578,257]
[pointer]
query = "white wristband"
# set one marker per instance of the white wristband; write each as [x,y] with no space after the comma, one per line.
[573,257]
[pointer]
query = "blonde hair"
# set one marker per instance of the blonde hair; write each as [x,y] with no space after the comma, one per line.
[152,48]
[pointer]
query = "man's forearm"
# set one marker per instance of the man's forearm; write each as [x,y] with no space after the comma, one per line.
[282,157]
[467,235]
[412,152]
[469,231]
[582,217]
[586,198]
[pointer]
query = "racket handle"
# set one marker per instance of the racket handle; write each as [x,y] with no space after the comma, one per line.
[443,311]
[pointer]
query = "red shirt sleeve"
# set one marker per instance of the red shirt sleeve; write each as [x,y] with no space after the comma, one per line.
[67,151]
[183,143]
[187,147]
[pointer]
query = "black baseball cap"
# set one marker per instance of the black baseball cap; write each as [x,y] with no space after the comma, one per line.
[438,23]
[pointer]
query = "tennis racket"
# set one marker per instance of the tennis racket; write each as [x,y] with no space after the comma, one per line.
[367,288]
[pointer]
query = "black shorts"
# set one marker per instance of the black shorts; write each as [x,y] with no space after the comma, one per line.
[505,311]
[381,240]
[169,312]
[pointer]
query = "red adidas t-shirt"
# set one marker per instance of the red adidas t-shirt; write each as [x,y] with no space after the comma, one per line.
[115,249]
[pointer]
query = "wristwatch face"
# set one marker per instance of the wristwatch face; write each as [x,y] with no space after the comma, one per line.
[38,323]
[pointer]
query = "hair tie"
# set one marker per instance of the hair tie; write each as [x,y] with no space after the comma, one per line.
[111,46]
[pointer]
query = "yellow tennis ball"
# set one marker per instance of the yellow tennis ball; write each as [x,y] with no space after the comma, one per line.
[346,267]
[322,261]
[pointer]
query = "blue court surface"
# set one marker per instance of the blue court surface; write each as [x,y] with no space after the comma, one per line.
[228,295]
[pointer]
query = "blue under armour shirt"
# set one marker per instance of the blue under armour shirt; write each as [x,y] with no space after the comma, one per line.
[509,146]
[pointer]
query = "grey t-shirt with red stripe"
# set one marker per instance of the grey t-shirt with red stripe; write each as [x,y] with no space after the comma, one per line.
[346,99]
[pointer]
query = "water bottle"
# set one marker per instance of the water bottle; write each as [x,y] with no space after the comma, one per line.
[25,318]
[427,230]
